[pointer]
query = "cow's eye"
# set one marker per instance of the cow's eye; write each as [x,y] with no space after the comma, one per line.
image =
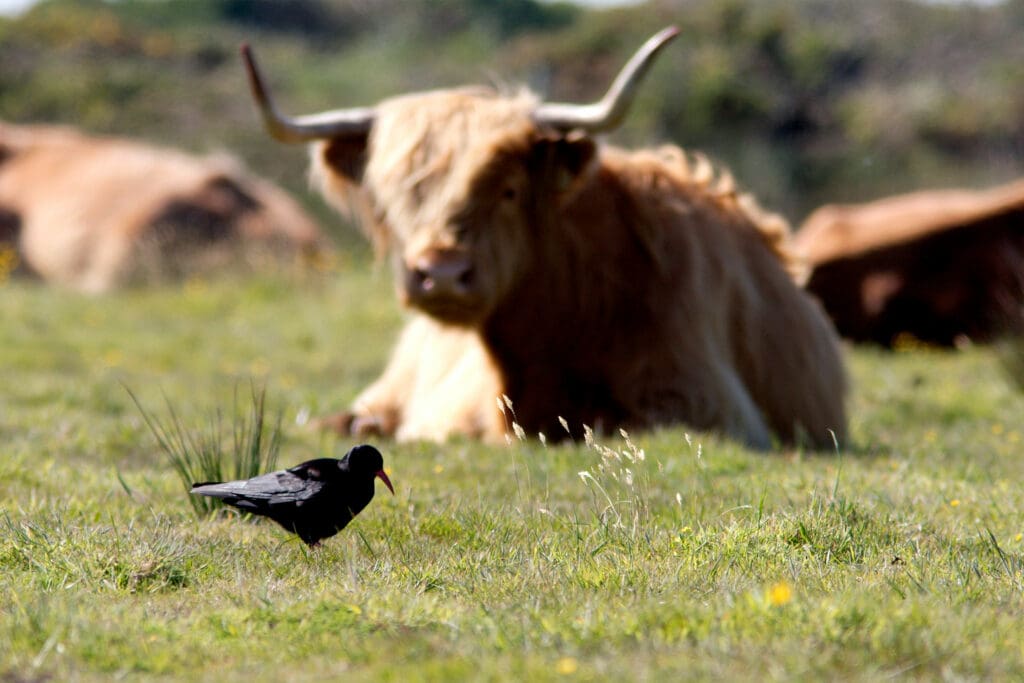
[510,194]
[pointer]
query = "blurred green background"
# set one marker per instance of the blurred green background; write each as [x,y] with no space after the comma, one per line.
[807,101]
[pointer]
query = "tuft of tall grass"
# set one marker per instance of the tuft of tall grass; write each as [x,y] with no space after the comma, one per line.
[619,483]
[200,455]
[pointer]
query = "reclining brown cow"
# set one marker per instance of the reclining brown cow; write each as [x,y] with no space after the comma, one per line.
[93,213]
[940,266]
[602,287]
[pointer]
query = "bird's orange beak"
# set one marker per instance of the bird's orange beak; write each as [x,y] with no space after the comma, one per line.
[387,482]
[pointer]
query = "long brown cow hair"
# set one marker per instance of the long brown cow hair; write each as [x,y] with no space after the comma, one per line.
[610,288]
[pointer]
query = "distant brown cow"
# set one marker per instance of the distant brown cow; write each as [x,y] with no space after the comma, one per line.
[609,288]
[92,213]
[940,265]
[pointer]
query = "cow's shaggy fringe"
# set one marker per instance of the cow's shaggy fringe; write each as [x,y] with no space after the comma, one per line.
[411,153]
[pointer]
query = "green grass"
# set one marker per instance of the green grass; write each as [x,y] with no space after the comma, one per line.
[903,557]
[206,455]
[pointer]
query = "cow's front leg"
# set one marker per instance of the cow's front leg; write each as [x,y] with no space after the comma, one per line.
[361,422]
[380,408]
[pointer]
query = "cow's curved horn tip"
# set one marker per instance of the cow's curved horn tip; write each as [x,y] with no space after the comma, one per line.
[670,31]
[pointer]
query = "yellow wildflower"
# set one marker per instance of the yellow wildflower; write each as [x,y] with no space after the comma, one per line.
[566,666]
[8,262]
[780,594]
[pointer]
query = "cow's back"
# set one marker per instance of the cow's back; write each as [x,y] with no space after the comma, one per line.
[938,265]
[94,213]
[716,331]
[743,270]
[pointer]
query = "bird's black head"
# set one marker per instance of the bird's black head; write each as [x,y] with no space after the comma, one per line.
[365,459]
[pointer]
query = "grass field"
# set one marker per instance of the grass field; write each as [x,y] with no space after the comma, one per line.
[902,557]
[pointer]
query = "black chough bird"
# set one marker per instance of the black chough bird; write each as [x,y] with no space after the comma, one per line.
[315,499]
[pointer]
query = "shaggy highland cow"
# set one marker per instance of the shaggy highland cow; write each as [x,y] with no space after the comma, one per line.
[93,213]
[941,266]
[607,288]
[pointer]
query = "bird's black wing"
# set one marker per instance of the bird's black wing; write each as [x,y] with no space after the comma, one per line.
[318,469]
[261,493]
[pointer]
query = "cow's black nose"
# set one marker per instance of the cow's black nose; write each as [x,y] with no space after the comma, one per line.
[440,273]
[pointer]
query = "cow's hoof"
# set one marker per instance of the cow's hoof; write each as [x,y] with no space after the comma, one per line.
[347,423]
[340,423]
[365,425]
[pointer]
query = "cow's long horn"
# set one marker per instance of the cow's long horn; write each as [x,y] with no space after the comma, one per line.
[328,124]
[610,110]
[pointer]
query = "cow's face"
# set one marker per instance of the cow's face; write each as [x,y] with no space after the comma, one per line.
[464,189]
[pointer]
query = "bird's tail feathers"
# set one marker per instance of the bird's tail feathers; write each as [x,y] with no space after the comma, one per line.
[216,489]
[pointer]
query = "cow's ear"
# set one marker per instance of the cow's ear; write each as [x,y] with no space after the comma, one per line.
[346,156]
[569,160]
